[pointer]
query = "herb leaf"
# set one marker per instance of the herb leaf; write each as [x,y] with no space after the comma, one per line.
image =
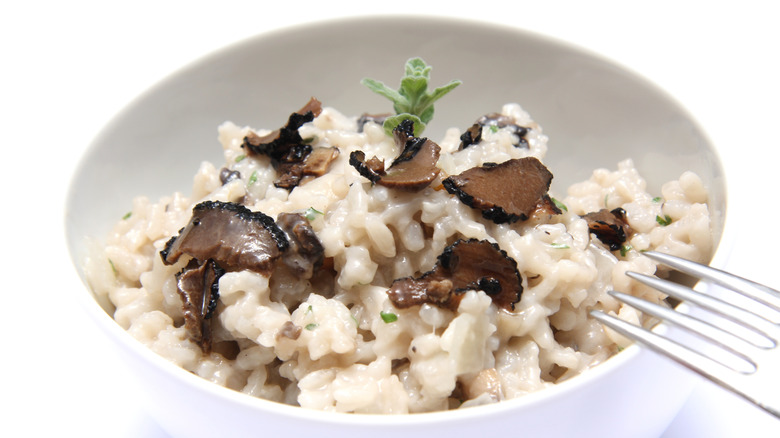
[559,245]
[312,213]
[663,221]
[388,317]
[311,326]
[252,178]
[393,121]
[113,268]
[560,205]
[412,100]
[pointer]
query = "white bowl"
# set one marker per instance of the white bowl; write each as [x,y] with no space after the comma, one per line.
[594,112]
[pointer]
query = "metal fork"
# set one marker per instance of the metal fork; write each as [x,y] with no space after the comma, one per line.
[759,349]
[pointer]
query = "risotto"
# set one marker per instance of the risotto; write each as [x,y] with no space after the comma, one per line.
[341,289]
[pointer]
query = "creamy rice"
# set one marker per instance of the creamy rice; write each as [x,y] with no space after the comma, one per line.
[347,358]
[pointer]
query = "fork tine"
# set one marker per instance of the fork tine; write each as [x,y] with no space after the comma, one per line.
[751,289]
[756,323]
[736,345]
[709,368]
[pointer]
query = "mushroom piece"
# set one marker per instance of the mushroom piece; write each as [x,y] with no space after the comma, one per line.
[610,227]
[465,265]
[305,253]
[289,330]
[413,170]
[372,169]
[287,150]
[318,161]
[233,236]
[198,287]
[226,175]
[546,207]
[504,192]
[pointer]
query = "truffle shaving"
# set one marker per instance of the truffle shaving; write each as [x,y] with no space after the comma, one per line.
[372,169]
[465,265]
[504,192]
[226,175]
[287,150]
[305,253]
[413,170]
[198,287]
[473,135]
[233,236]
[318,161]
[610,227]
[501,121]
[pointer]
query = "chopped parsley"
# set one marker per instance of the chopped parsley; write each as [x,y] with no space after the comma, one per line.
[663,221]
[658,199]
[559,245]
[252,178]
[312,213]
[561,206]
[127,215]
[311,326]
[113,268]
[493,128]
[388,317]
[625,249]
[239,158]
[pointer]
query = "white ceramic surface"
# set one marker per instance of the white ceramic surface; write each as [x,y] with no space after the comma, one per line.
[594,112]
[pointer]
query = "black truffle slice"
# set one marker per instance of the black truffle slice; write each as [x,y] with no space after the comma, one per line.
[198,287]
[287,150]
[465,265]
[610,227]
[413,170]
[233,236]
[504,192]
[372,169]
[305,253]
[501,121]
[473,135]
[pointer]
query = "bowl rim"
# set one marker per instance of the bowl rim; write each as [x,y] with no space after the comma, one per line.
[117,334]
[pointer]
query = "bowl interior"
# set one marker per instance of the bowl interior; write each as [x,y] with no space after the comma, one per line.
[595,112]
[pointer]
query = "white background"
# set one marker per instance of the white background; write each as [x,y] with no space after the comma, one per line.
[68,67]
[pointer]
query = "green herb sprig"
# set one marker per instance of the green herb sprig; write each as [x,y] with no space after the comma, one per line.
[412,100]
